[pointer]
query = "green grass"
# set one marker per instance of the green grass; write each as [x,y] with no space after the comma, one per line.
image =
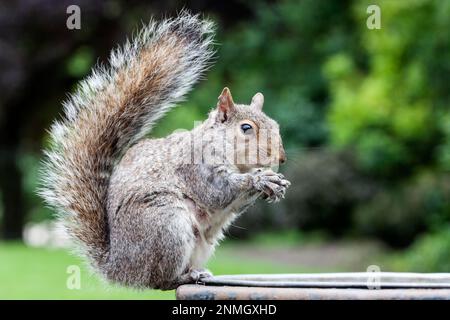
[36,273]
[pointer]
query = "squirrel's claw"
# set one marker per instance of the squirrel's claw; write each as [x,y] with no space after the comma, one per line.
[198,274]
[272,185]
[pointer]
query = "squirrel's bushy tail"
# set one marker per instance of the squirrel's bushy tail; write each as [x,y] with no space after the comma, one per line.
[112,108]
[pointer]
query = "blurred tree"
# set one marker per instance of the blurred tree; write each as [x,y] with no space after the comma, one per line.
[326,186]
[391,113]
[430,253]
[397,215]
[394,114]
[32,74]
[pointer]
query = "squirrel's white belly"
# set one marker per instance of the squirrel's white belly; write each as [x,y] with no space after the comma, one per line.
[200,255]
[211,226]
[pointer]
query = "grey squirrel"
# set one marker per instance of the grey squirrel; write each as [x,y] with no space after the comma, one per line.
[148,213]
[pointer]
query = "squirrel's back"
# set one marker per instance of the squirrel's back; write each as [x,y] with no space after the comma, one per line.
[113,108]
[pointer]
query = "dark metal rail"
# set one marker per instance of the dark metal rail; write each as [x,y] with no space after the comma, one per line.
[360,285]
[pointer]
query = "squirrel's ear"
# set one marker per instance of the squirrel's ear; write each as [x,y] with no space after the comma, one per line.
[257,101]
[225,105]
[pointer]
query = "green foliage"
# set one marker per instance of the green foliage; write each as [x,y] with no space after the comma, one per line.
[380,154]
[80,63]
[285,238]
[443,151]
[397,215]
[430,253]
[29,165]
[325,188]
[390,113]
[184,118]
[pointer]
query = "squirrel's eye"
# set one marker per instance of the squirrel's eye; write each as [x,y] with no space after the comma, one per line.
[245,127]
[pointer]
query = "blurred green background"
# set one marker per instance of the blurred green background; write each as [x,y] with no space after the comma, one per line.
[364,116]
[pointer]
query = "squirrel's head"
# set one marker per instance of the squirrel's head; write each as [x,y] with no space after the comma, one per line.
[252,139]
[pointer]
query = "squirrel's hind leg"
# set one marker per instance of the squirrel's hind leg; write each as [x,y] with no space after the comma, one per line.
[199,274]
[190,277]
[152,240]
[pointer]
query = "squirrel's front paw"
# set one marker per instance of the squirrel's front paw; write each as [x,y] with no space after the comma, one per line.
[272,184]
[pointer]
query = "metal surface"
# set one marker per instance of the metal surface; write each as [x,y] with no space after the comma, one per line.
[201,292]
[335,280]
[318,286]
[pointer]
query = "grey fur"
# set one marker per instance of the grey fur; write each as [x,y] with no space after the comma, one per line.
[143,216]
